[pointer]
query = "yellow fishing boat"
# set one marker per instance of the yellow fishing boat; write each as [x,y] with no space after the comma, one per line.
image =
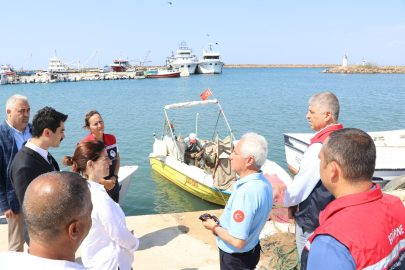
[193,180]
[214,181]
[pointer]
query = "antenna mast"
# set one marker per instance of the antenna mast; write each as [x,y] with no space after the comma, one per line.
[98,66]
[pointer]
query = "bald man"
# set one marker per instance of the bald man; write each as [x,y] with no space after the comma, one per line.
[57,210]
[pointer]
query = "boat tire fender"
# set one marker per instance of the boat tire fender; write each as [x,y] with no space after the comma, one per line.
[395,184]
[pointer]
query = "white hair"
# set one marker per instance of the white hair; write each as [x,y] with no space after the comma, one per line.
[255,145]
[326,102]
[12,100]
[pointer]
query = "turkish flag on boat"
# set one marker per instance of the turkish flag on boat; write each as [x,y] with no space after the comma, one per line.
[206,94]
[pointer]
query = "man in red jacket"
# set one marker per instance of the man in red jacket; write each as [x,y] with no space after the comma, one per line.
[362,228]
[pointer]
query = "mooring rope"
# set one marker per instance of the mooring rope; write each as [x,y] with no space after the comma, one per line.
[282,259]
[285,260]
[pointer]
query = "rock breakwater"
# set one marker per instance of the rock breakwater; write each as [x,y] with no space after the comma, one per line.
[280,66]
[364,70]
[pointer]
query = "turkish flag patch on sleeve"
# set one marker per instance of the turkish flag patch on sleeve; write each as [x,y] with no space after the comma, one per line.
[238,216]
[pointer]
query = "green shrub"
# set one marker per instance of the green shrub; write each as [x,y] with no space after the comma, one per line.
[369,65]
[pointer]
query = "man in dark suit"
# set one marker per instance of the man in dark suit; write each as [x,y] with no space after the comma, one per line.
[33,158]
[14,131]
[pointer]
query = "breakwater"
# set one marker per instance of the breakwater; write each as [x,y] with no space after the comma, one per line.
[366,70]
[281,66]
[70,77]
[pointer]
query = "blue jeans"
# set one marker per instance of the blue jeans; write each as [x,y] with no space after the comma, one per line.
[301,236]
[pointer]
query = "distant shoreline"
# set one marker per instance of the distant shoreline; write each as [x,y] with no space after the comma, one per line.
[332,68]
[353,69]
[281,66]
[329,68]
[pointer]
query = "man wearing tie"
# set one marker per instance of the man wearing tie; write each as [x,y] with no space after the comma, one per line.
[33,158]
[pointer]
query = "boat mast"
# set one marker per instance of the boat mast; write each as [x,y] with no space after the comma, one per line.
[196,124]
[229,127]
[171,131]
[98,66]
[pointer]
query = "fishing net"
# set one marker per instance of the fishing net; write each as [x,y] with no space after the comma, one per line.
[224,177]
[279,251]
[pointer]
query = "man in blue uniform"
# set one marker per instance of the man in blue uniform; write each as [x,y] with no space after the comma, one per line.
[248,208]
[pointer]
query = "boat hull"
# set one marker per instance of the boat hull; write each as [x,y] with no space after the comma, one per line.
[175,74]
[191,66]
[125,176]
[189,184]
[209,67]
[119,68]
[3,79]
[296,145]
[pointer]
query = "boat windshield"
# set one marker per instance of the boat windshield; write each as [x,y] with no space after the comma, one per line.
[211,57]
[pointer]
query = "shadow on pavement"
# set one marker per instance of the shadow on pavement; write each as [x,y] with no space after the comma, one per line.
[161,237]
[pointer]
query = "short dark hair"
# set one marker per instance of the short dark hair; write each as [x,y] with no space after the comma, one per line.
[88,116]
[48,213]
[85,151]
[46,118]
[354,150]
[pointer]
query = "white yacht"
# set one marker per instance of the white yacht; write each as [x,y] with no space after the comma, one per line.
[56,66]
[211,62]
[184,58]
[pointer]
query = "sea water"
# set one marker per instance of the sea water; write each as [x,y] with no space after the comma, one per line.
[267,101]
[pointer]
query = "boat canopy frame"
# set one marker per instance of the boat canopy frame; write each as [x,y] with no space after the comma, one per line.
[192,104]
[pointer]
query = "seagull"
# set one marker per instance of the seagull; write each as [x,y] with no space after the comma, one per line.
[169,3]
[208,35]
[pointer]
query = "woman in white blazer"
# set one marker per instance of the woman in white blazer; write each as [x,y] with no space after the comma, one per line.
[109,244]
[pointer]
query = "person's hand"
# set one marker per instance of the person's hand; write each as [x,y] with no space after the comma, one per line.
[9,214]
[198,155]
[208,223]
[108,184]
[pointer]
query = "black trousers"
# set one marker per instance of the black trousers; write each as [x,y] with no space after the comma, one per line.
[240,261]
[116,197]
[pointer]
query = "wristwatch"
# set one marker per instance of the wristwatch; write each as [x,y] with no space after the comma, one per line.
[116,176]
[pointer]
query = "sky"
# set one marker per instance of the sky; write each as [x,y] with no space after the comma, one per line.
[247,32]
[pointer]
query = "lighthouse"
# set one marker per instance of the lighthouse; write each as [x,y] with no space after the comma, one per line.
[363,61]
[344,61]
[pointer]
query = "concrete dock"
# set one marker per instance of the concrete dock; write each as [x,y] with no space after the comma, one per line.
[170,241]
[178,240]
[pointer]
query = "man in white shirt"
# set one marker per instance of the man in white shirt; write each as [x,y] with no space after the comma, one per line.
[306,196]
[57,210]
[33,158]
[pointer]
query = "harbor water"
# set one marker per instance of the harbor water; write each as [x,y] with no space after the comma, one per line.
[267,101]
